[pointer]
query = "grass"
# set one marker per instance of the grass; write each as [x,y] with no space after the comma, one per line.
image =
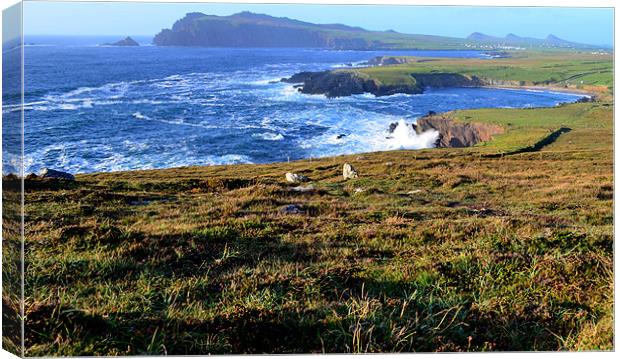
[525,127]
[431,250]
[572,70]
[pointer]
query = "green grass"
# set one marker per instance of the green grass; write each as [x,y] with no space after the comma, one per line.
[525,127]
[431,250]
[573,70]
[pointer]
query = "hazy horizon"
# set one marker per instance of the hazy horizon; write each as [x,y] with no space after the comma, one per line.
[592,26]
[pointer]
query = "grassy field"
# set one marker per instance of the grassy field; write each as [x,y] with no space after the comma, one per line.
[430,250]
[588,71]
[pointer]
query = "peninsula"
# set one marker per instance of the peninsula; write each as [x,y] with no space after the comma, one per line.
[247,29]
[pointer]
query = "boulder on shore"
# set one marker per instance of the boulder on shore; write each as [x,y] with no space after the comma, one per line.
[50,173]
[348,172]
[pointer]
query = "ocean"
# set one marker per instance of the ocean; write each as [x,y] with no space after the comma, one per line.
[91,108]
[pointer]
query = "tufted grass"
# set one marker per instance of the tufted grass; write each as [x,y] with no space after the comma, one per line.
[430,250]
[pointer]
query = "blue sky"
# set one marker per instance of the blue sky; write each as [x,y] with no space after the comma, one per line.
[586,25]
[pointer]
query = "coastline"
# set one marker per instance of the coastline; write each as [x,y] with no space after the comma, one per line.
[573,91]
[445,115]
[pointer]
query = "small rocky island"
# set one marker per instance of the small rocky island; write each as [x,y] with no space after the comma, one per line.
[128,41]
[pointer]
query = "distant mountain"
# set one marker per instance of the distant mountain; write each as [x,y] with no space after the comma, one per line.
[515,40]
[478,36]
[247,29]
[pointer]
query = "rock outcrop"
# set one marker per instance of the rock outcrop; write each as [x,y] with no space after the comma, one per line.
[50,173]
[457,134]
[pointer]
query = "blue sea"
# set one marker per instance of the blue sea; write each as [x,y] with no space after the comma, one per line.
[92,108]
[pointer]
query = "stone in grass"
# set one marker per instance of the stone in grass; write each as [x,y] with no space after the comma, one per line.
[296,178]
[303,189]
[50,173]
[348,172]
[292,209]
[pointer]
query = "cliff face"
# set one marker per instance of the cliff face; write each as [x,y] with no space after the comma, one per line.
[455,134]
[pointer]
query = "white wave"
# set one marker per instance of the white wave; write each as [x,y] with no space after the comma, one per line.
[68,106]
[363,63]
[405,137]
[229,159]
[269,136]
[269,81]
[138,115]
[147,101]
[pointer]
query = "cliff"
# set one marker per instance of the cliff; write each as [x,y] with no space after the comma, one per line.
[457,134]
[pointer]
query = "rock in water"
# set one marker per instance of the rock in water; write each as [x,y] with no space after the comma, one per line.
[128,41]
[295,178]
[50,173]
[348,171]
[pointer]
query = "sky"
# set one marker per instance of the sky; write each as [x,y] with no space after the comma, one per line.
[584,25]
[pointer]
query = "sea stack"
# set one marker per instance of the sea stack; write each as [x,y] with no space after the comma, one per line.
[128,41]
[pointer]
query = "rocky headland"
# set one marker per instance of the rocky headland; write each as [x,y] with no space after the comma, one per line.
[346,83]
[339,83]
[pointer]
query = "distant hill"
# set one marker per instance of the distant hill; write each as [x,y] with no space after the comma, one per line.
[247,29]
[551,41]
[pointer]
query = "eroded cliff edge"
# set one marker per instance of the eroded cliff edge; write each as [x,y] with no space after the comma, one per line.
[457,134]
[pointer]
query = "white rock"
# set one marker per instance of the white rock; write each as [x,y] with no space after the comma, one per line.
[348,171]
[295,178]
